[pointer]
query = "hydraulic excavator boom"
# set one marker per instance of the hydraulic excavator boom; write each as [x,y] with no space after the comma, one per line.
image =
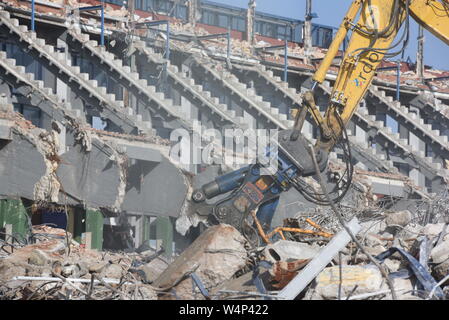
[374,36]
[375,25]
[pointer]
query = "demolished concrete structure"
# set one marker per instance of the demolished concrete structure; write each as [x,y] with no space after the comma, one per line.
[93,139]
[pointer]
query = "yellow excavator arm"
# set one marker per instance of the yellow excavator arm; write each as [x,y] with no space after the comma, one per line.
[375,25]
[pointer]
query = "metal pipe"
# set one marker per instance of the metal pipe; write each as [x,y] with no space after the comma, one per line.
[229,44]
[398,81]
[32,16]
[286,61]
[96,8]
[167,43]
[102,24]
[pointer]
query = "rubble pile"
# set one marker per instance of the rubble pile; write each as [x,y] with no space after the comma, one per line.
[52,266]
[412,249]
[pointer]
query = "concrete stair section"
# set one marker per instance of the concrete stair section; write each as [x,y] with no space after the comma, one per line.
[129,79]
[409,119]
[48,56]
[220,112]
[367,156]
[247,96]
[438,111]
[385,134]
[39,95]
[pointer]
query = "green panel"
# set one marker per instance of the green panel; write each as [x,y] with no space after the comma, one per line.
[164,232]
[79,227]
[15,213]
[94,224]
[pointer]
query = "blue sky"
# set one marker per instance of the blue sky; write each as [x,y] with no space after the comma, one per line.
[331,12]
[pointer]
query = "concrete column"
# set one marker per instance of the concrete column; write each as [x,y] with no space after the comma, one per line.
[308,32]
[416,143]
[307,130]
[252,122]
[192,7]
[136,222]
[418,178]
[132,98]
[145,238]
[62,90]
[186,108]
[403,132]
[49,79]
[420,54]
[361,136]
[5,93]
[250,22]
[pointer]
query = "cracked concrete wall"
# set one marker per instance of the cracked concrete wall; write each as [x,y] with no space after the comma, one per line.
[155,188]
[23,164]
[93,177]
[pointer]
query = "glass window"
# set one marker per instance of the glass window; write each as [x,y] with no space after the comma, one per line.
[148,5]
[117,2]
[238,24]
[223,21]
[209,17]
[282,32]
[327,38]
[270,30]
[181,12]
[259,27]
[163,6]
[297,33]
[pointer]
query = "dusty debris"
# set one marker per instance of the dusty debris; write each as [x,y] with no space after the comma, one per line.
[26,272]
[364,279]
[284,250]
[215,256]
[401,218]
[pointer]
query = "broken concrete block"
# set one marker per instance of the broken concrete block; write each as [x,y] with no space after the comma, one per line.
[9,270]
[153,269]
[215,256]
[113,271]
[441,271]
[372,240]
[440,253]
[401,218]
[374,227]
[146,293]
[432,229]
[374,251]
[412,230]
[403,289]
[284,250]
[243,283]
[392,264]
[367,279]
[97,267]
[39,258]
